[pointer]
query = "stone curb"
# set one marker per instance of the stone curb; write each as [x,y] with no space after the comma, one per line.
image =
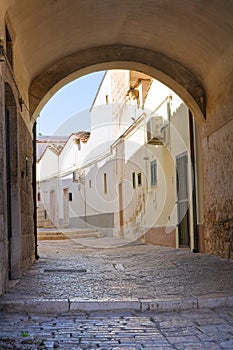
[40,306]
[46,306]
[104,305]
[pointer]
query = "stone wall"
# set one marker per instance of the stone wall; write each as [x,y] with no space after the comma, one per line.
[3,249]
[218,177]
[27,225]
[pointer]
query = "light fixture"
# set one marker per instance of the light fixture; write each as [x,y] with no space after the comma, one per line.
[132,93]
[2,56]
[21,102]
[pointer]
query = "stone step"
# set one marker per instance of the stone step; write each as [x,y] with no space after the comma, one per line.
[50,237]
[41,235]
[45,306]
[83,234]
[56,234]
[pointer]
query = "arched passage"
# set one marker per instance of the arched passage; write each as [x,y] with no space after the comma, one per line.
[186,45]
[171,73]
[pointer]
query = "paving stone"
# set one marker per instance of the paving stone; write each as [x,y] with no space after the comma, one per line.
[164,286]
[163,305]
[209,302]
[91,331]
[38,305]
[174,331]
[183,339]
[227,344]
[198,346]
[104,305]
[178,278]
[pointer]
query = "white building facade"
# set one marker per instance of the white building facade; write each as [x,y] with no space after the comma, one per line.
[135,176]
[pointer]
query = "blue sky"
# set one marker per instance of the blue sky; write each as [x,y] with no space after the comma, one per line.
[68,110]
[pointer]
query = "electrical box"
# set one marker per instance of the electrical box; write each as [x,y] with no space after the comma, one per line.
[155,131]
[77,176]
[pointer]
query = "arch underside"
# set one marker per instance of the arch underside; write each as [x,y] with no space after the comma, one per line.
[187,45]
[188,86]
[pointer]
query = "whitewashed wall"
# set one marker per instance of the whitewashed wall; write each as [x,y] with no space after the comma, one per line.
[117,151]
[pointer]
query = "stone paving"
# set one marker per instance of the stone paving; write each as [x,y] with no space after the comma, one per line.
[70,269]
[199,329]
[129,284]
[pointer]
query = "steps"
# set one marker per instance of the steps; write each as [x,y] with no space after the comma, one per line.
[49,234]
[66,233]
[83,233]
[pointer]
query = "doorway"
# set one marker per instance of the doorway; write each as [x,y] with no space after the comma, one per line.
[66,220]
[121,210]
[53,207]
[8,188]
[182,199]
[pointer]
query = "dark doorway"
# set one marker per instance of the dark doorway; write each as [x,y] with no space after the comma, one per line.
[8,187]
[182,199]
[121,210]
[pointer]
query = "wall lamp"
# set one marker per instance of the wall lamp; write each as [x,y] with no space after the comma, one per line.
[133,93]
[2,54]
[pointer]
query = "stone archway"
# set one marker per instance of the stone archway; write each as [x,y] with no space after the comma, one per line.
[171,73]
[199,117]
[185,45]
[168,71]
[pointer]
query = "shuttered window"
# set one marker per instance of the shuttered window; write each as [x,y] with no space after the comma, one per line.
[153,171]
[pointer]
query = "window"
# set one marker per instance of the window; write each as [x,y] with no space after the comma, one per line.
[89,183]
[139,179]
[153,171]
[105,183]
[9,51]
[78,143]
[134,180]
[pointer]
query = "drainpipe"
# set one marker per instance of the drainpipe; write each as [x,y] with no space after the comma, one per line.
[34,188]
[193,163]
[169,113]
[85,199]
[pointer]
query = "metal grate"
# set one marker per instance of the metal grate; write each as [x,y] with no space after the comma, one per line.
[65,270]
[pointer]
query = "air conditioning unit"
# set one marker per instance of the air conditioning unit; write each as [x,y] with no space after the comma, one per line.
[77,176]
[155,131]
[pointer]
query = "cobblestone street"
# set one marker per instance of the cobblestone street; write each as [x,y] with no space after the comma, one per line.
[70,269]
[135,296]
[200,329]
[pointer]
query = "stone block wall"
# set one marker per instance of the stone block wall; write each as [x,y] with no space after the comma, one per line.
[218,183]
[3,257]
[26,194]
